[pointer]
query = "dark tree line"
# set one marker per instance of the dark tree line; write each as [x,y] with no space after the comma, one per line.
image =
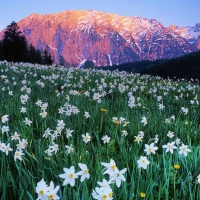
[187,67]
[15,48]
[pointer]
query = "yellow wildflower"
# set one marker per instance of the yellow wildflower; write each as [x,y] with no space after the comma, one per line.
[142,194]
[176,166]
[103,110]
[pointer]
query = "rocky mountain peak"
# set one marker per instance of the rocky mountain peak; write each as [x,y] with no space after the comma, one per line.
[75,36]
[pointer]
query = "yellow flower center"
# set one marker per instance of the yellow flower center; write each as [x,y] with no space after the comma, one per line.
[51,196]
[41,192]
[104,197]
[150,149]
[86,171]
[116,122]
[113,167]
[71,175]
[111,194]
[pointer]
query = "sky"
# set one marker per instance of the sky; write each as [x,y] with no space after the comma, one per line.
[177,12]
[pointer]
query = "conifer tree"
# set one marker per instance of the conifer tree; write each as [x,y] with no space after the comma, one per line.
[14,44]
[47,58]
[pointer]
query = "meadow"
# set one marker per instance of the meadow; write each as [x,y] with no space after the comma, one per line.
[85,134]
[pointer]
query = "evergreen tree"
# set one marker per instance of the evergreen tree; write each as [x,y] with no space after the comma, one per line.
[14,44]
[32,57]
[47,58]
[88,64]
[38,57]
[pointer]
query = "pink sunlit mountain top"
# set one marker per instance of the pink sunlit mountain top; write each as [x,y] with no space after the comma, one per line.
[104,38]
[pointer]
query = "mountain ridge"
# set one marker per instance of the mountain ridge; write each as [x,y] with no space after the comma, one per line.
[104,38]
[190,33]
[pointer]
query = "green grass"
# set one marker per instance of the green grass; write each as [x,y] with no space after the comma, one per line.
[18,179]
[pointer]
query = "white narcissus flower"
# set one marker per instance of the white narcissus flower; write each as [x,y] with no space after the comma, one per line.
[138,138]
[54,148]
[42,190]
[38,103]
[125,133]
[105,183]
[125,123]
[105,139]
[22,109]
[143,162]
[15,136]
[5,129]
[184,150]
[170,134]
[184,110]
[52,192]
[84,173]
[69,176]
[144,121]
[2,146]
[169,147]
[18,155]
[48,152]
[102,193]
[86,138]
[198,179]
[22,144]
[118,176]
[27,121]
[68,132]
[86,115]
[161,106]
[61,124]
[110,167]
[177,141]
[47,133]
[7,148]
[4,118]
[69,148]
[150,148]
[141,134]
[43,114]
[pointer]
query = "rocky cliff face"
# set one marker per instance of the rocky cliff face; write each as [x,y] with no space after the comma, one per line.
[198,42]
[191,34]
[106,39]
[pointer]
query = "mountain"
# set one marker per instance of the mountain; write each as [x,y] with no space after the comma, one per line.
[191,34]
[106,39]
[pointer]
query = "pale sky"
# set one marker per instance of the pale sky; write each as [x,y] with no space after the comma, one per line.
[177,12]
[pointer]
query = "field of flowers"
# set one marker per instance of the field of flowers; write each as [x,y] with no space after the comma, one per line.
[84,134]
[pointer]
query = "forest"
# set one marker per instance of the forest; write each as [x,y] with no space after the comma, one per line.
[185,67]
[15,48]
